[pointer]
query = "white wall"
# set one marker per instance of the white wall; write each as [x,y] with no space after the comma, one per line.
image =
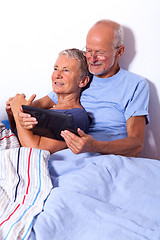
[32,33]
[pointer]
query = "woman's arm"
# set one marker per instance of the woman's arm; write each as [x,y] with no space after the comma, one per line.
[10,114]
[26,137]
[29,122]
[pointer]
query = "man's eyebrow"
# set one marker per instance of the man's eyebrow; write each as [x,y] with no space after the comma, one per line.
[67,67]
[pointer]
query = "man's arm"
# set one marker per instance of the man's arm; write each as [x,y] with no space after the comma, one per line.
[44,102]
[130,146]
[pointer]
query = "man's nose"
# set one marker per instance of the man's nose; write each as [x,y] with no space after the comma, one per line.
[93,58]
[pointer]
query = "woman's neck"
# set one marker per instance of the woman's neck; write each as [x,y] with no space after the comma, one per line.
[67,102]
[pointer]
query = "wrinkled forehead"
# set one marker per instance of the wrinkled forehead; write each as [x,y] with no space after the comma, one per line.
[100,37]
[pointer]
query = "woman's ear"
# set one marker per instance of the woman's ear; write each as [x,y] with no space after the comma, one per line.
[84,81]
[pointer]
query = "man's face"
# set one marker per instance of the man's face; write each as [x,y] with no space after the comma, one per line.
[100,54]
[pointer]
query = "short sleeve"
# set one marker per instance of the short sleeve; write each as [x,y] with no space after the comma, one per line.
[53,96]
[138,103]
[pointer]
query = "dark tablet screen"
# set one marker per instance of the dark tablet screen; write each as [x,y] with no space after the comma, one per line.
[50,122]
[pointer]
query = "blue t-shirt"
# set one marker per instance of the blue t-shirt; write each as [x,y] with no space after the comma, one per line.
[112,101]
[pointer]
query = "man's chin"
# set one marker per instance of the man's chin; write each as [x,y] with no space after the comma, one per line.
[97,73]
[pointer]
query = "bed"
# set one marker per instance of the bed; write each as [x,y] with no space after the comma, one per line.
[24,185]
[64,196]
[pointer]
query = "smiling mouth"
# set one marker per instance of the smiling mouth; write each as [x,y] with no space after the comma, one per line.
[59,83]
[97,64]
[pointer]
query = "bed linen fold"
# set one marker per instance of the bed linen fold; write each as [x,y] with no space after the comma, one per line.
[24,185]
[101,197]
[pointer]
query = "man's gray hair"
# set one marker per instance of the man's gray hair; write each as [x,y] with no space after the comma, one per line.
[118,32]
[77,54]
[118,36]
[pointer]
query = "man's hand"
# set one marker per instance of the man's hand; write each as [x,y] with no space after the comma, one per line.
[79,144]
[130,146]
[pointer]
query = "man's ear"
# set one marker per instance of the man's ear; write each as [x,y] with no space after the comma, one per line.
[120,51]
[84,81]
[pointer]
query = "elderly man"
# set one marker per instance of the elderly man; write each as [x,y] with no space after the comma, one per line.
[117,100]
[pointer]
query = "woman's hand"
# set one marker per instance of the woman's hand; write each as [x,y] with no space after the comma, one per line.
[18,101]
[8,108]
[26,121]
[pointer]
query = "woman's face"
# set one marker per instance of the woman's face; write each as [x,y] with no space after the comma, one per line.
[66,76]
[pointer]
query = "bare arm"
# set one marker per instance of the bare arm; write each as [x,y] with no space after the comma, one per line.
[44,102]
[29,122]
[10,113]
[26,137]
[130,146]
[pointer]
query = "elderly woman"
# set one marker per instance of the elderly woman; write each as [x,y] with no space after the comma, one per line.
[69,77]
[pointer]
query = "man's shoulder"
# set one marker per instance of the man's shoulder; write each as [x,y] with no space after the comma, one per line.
[132,76]
[134,82]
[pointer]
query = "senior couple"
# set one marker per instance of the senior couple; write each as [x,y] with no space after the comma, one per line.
[115,99]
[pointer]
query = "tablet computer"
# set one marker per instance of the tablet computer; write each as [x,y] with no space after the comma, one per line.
[50,122]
